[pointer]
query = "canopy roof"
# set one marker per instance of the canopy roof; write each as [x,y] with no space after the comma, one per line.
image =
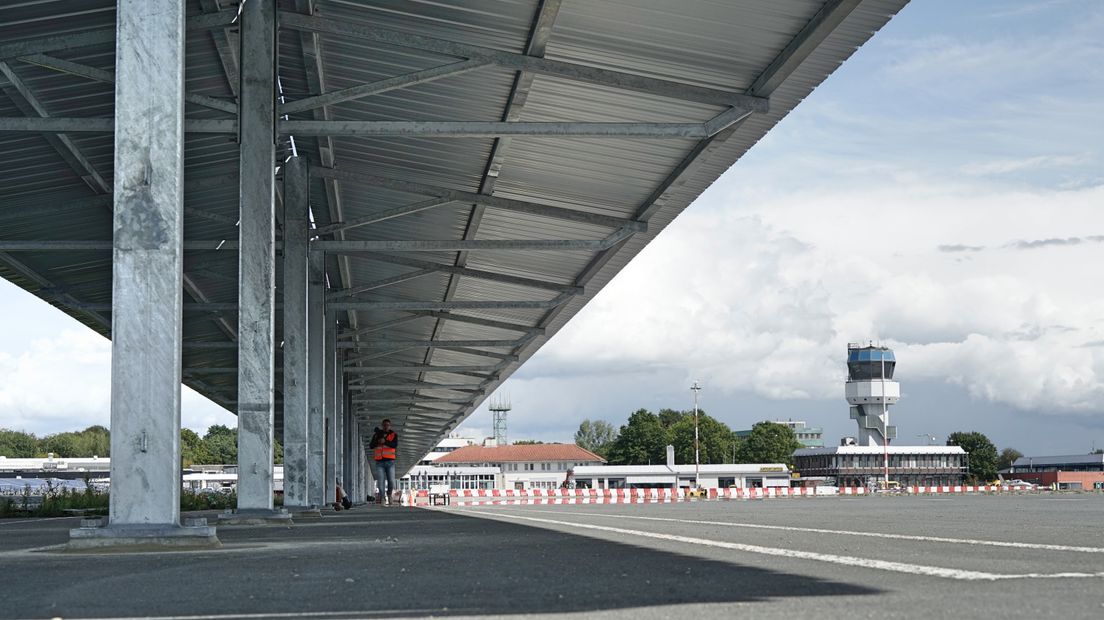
[455,241]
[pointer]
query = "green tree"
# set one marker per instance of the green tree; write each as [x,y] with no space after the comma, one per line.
[277,452]
[1007,457]
[715,439]
[670,417]
[17,444]
[221,443]
[769,443]
[94,441]
[528,442]
[61,445]
[641,441]
[982,453]
[193,450]
[596,436]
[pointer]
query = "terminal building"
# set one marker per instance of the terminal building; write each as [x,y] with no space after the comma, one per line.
[490,466]
[673,476]
[1073,472]
[863,460]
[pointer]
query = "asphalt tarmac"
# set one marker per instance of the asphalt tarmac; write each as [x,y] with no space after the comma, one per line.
[1028,556]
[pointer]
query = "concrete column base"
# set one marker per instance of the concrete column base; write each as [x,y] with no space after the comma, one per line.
[304,512]
[93,536]
[256,517]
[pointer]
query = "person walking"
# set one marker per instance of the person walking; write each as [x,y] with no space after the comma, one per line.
[384,444]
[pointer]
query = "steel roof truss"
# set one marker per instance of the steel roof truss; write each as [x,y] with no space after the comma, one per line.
[496,202]
[490,276]
[382,86]
[101,75]
[473,320]
[524,62]
[381,216]
[377,284]
[26,101]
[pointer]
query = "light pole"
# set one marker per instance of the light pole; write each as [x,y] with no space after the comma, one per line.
[697,460]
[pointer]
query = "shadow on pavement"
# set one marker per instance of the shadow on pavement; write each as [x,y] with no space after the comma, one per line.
[375,562]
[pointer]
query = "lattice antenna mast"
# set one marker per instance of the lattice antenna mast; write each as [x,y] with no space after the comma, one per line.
[499,408]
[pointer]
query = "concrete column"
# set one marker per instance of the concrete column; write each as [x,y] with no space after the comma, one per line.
[296,224]
[333,373]
[316,352]
[147,279]
[256,260]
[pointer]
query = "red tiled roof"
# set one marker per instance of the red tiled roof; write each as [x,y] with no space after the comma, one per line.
[534,452]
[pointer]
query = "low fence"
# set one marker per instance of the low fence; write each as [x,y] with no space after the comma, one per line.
[641,496]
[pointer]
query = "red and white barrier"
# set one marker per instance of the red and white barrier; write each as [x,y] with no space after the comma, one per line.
[652,496]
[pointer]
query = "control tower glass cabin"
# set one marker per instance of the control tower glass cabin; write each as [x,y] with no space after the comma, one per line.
[870,390]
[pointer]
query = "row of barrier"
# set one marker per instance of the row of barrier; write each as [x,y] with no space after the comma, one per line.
[667,495]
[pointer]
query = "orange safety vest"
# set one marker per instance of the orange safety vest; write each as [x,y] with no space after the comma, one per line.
[384,451]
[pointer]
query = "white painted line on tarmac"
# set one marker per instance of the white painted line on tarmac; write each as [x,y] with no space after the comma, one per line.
[38,520]
[845,560]
[817,530]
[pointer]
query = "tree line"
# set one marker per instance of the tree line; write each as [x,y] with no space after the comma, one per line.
[218,446]
[644,438]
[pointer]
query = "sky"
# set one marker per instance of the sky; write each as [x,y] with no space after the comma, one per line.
[942,193]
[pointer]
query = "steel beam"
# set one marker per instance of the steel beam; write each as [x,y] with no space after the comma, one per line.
[377,327]
[420,385]
[508,204]
[509,357]
[108,77]
[381,216]
[396,343]
[28,103]
[382,86]
[523,62]
[104,125]
[296,381]
[227,49]
[451,305]
[478,274]
[411,401]
[256,258]
[474,320]
[492,129]
[414,129]
[473,245]
[826,20]
[57,42]
[377,284]
[421,368]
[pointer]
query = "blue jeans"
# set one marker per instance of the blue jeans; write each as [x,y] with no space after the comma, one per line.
[385,472]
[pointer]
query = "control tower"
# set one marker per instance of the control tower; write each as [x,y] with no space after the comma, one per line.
[870,390]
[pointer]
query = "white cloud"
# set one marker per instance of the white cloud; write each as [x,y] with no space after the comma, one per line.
[60,383]
[63,383]
[763,297]
[1010,165]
